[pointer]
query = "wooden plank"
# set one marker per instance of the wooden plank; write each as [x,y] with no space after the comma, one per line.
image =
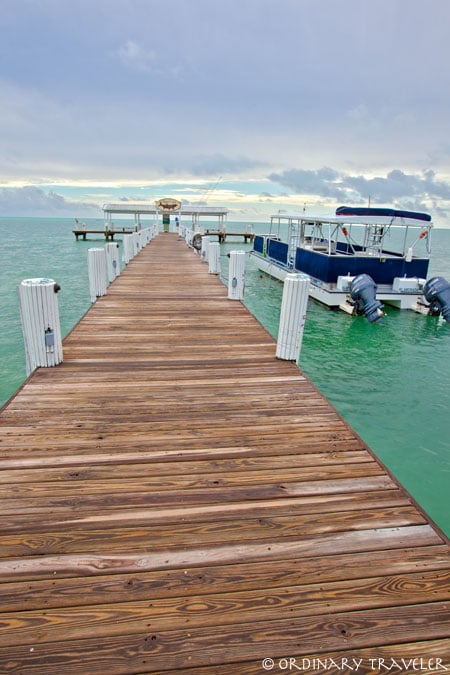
[97,588]
[426,657]
[384,539]
[229,609]
[158,650]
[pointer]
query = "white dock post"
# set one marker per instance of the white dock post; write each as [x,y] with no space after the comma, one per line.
[112,260]
[97,272]
[188,237]
[127,254]
[236,275]
[39,313]
[293,316]
[214,258]
[205,248]
[136,243]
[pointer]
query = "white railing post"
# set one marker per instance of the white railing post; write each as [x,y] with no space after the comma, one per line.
[293,316]
[39,314]
[127,254]
[236,275]
[98,282]
[136,243]
[214,258]
[205,248]
[112,260]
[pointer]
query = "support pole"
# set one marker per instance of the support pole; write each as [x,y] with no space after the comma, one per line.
[39,315]
[236,275]
[214,258]
[98,282]
[293,316]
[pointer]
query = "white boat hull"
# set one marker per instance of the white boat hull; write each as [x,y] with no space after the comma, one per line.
[331,296]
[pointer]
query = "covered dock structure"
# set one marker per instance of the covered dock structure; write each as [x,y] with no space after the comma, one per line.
[190,211]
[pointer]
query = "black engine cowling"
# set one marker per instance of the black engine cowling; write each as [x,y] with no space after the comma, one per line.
[363,292]
[437,293]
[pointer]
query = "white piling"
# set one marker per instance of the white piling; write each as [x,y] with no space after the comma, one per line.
[204,252]
[39,313]
[236,275]
[98,281]
[293,316]
[127,254]
[214,258]
[112,260]
[136,243]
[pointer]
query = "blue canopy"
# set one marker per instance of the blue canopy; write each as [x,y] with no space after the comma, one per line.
[391,213]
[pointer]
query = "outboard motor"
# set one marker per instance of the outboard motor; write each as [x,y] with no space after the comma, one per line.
[363,293]
[437,293]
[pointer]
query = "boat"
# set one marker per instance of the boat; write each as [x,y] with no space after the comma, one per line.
[357,259]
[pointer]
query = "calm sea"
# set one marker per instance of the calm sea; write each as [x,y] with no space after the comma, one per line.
[390,381]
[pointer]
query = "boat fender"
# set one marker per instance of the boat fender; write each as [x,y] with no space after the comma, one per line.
[363,293]
[437,293]
[197,241]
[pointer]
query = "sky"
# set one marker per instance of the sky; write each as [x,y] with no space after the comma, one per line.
[257,105]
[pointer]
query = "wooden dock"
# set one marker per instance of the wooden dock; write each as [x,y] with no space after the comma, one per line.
[108,234]
[174,499]
[223,235]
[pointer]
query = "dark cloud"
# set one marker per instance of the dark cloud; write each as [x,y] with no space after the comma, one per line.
[32,201]
[323,182]
[207,92]
[396,186]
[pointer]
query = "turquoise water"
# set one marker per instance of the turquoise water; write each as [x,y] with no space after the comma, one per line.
[390,381]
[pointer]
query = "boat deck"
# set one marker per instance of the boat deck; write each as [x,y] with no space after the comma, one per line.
[175,499]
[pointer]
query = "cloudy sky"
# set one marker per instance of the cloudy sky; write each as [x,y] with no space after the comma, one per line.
[253,104]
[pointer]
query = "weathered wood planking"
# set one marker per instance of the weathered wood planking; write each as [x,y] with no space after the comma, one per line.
[174,499]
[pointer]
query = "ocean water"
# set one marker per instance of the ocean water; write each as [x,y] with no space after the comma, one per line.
[390,381]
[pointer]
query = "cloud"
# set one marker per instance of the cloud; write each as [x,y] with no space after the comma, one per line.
[396,186]
[323,182]
[32,201]
[136,56]
[213,163]
[147,90]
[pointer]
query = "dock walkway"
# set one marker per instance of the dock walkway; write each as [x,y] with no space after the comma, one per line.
[174,499]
